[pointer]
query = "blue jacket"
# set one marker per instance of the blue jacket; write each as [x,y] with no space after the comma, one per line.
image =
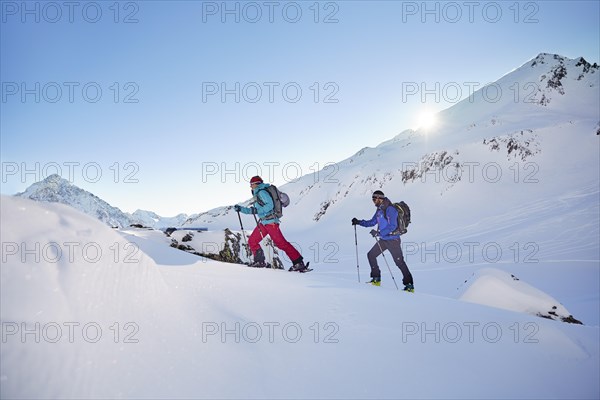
[266,209]
[387,222]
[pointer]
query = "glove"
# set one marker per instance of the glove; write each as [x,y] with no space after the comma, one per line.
[253,210]
[355,221]
[237,208]
[374,233]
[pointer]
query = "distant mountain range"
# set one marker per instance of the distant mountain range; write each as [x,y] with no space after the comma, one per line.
[152,219]
[55,189]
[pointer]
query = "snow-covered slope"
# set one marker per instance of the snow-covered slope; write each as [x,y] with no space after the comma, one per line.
[172,325]
[509,169]
[74,296]
[508,181]
[513,142]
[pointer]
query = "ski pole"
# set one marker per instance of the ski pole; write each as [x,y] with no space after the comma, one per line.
[356,245]
[244,234]
[386,263]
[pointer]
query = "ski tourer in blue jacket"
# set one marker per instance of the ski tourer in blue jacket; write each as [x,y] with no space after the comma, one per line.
[386,217]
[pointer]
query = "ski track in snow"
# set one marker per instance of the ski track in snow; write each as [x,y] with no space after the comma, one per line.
[580,206]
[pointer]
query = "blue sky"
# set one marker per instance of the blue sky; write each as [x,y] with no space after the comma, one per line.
[170,106]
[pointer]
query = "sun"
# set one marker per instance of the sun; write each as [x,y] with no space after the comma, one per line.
[426,120]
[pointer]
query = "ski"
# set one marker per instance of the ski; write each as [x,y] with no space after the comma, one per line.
[267,266]
[302,272]
[254,265]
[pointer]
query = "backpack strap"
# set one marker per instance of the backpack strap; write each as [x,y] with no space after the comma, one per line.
[258,200]
[385,210]
[271,215]
[397,230]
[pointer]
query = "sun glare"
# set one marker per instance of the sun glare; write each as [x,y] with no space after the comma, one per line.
[426,120]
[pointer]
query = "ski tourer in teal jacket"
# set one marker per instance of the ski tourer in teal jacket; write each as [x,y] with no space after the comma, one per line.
[263,205]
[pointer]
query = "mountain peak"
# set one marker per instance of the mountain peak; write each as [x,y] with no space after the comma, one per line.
[547,58]
[55,189]
[543,58]
[55,180]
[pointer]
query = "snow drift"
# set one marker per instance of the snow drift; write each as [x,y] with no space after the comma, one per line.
[500,289]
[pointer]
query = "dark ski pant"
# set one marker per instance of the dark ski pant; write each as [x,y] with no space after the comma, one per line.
[393,246]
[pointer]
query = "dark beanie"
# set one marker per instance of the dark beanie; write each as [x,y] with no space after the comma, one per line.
[256,179]
[378,193]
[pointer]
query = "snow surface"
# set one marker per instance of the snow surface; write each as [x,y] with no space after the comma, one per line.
[204,329]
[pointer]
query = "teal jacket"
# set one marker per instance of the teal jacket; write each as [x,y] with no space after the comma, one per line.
[263,204]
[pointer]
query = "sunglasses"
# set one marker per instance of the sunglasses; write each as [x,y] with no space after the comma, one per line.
[374,198]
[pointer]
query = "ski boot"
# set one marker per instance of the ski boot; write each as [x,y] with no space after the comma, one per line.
[259,259]
[375,281]
[409,288]
[299,266]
